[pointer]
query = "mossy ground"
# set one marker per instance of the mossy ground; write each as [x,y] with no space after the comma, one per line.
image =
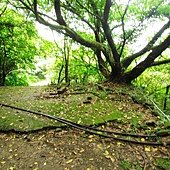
[72,149]
[102,107]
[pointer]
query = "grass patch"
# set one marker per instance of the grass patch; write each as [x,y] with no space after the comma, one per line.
[127,165]
[163,163]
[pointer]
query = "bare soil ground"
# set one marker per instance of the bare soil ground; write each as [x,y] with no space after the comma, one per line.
[74,150]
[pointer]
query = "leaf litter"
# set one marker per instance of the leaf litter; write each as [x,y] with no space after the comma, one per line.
[60,148]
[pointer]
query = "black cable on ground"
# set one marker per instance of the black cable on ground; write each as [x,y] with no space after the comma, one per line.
[91,130]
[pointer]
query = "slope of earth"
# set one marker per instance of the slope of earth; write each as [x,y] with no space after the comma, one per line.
[26,141]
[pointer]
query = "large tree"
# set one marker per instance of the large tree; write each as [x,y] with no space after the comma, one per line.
[17,43]
[109,27]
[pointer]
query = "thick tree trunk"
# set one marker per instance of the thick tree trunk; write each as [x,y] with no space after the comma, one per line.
[120,77]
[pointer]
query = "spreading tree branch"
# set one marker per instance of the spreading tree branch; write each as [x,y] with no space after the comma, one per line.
[127,61]
[107,31]
[107,10]
[87,10]
[62,28]
[35,9]
[57,8]
[29,3]
[142,66]
[25,6]
[150,14]
[157,63]
[72,34]
[123,29]
[74,11]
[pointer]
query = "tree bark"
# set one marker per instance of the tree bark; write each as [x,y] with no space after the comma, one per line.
[127,61]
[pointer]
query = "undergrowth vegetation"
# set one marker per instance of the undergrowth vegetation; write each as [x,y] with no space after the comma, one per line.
[154,82]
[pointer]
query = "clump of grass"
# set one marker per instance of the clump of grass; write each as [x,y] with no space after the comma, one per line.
[163,163]
[127,165]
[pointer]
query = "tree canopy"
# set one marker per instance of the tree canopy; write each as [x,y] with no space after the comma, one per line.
[109,27]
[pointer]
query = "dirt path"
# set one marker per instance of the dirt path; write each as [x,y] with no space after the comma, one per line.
[74,150]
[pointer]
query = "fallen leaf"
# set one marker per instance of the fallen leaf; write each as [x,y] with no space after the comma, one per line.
[10,150]
[82,150]
[3,162]
[91,136]
[119,143]
[106,153]
[99,146]
[69,161]
[142,139]
[147,149]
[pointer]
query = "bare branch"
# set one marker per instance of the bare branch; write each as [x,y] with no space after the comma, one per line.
[45,15]
[87,10]
[74,11]
[35,9]
[123,29]
[127,61]
[157,63]
[107,10]
[107,31]
[27,6]
[142,66]
[29,2]
[57,7]
[152,12]
[116,26]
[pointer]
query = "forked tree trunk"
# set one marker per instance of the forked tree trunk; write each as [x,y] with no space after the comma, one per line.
[118,75]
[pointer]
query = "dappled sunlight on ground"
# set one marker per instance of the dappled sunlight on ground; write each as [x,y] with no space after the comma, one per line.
[41,83]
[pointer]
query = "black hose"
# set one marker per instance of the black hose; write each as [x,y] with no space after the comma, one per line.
[90,129]
[61,120]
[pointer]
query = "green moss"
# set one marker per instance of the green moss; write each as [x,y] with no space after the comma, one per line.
[70,107]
